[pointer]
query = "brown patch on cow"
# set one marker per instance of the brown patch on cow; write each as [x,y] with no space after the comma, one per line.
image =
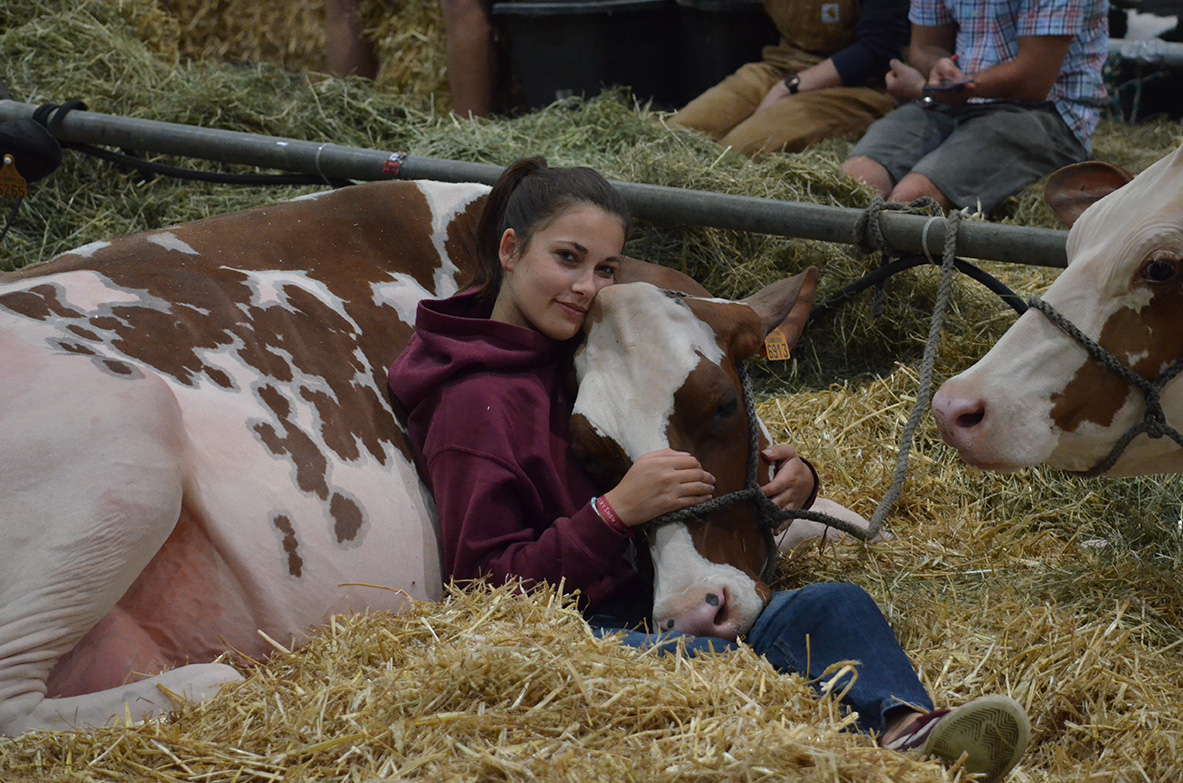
[218,377]
[118,367]
[711,423]
[290,545]
[76,348]
[462,239]
[83,332]
[1094,395]
[738,329]
[601,457]
[348,518]
[275,400]
[309,461]
[39,303]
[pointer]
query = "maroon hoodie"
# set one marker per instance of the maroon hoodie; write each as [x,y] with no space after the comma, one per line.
[489,420]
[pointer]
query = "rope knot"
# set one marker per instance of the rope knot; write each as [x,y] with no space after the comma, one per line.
[868,229]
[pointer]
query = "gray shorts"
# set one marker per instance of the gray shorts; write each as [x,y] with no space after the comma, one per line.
[976,154]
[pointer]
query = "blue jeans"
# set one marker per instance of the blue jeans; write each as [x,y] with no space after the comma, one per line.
[805,631]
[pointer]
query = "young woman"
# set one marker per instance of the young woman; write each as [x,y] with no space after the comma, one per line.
[482,383]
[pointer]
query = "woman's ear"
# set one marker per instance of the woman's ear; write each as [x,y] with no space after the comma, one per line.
[507,251]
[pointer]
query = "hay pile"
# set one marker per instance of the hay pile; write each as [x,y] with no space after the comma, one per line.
[489,685]
[1062,592]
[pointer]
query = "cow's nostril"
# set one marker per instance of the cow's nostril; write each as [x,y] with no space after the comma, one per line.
[721,602]
[970,419]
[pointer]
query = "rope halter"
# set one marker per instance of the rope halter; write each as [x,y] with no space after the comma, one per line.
[1154,421]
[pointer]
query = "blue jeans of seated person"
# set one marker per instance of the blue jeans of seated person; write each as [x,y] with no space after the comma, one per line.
[805,631]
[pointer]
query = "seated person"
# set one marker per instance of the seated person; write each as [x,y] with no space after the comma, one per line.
[1002,93]
[824,78]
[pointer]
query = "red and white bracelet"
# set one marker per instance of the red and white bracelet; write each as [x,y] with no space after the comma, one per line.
[609,516]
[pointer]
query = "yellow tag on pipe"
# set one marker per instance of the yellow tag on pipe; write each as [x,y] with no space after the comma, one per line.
[12,184]
[776,347]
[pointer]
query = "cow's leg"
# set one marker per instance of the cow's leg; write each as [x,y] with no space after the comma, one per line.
[91,483]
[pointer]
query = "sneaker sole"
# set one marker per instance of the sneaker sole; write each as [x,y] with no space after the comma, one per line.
[992,730]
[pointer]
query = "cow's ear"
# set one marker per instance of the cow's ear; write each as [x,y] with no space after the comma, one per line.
[784,306]
[1072,189]
[633,270]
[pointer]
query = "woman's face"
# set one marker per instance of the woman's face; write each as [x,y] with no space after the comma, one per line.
[549,284]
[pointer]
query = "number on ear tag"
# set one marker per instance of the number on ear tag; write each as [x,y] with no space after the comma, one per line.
[776,347]
[12,184]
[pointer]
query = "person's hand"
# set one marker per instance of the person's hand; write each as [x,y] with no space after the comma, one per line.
[657,483]
[775,93]
[904,83]
[793,483]
[952,85]
[945,71]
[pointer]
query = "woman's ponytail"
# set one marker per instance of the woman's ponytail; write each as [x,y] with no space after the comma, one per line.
[489,229]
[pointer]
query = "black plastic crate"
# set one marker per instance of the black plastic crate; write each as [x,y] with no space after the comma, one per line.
[560,48]
[718,36]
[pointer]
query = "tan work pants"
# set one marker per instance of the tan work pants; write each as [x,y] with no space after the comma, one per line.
[725,112]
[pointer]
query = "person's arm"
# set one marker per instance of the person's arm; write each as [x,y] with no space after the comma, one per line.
[815,77]
[1029,77]
[881,33]
[485,532]
[882,29]
[929,45]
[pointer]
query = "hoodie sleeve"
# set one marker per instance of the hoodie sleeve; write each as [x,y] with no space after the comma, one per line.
[487,531]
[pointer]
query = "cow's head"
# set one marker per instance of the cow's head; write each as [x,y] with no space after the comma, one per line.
[1037,397]
[658,370]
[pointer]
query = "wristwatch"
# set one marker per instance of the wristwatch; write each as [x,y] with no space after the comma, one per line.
[793,84]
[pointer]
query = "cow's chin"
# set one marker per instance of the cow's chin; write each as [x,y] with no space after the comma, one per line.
[1144,457]
[993,467]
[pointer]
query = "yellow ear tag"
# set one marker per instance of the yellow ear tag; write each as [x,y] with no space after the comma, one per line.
[12,184]
[776,347]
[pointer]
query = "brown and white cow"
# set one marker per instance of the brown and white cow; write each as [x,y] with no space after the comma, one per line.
[1037,396]
[197,450]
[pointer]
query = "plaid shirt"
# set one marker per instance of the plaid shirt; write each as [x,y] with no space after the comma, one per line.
[988,33]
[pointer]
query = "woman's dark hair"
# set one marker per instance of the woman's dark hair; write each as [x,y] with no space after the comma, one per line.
[526,197]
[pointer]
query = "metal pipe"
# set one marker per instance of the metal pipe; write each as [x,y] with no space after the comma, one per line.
[988,241]
[1153,51]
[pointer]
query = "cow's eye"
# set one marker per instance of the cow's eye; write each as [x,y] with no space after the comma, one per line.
[726,409]
[1161,269]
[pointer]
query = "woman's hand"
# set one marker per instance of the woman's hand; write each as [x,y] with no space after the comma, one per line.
[794,482]
[659,482]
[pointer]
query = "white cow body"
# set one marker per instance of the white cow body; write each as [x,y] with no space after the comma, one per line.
[150,517]
[1036,397]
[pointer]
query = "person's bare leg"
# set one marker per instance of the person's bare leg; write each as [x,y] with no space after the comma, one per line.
[914,186]
[470,56]
[868,172]
[897,724]
[348,49]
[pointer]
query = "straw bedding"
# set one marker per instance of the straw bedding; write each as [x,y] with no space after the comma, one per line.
[1062,592]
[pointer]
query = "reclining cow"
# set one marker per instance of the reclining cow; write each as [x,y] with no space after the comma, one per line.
[1083,380]
[199,453]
